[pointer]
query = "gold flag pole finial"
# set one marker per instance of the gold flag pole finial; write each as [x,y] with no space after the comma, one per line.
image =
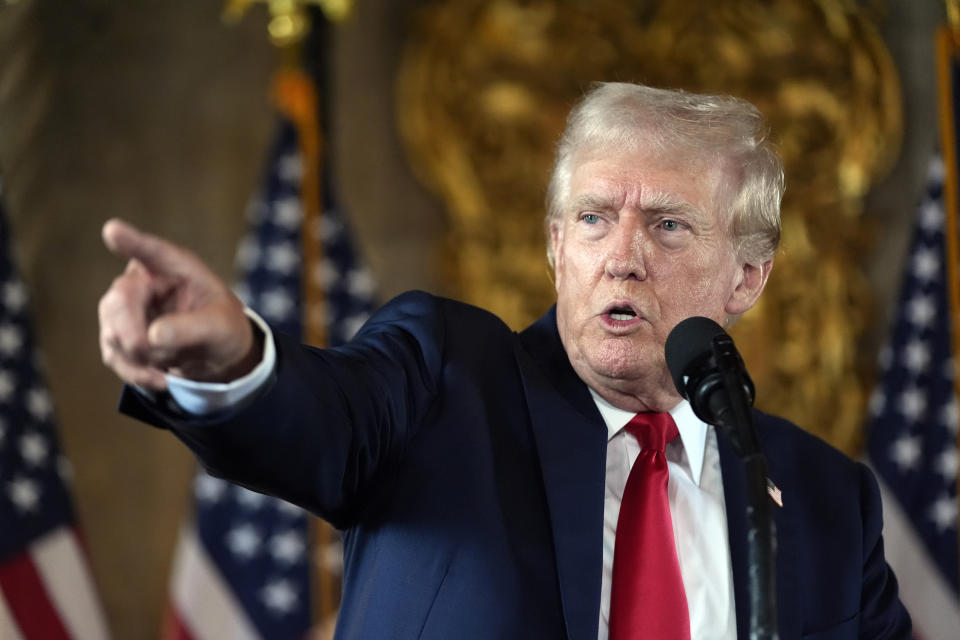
[953,19]
[289,19]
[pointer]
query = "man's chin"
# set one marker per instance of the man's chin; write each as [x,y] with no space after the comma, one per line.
[623,371]
[626,357]
[600,358]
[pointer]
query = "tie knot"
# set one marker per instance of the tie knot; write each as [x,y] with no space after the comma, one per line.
[653,430]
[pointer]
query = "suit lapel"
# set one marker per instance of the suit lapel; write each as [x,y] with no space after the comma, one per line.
[735,498]
[571,443]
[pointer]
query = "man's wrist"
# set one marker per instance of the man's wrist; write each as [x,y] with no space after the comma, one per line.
[204,398]
[251,359]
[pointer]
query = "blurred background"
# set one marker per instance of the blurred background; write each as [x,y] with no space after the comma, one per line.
[440,118]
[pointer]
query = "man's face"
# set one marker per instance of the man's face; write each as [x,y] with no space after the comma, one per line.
[642,245]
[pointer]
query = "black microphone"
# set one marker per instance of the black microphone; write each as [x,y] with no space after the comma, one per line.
[708,371]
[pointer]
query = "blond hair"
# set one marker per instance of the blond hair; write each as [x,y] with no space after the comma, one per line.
[617,115]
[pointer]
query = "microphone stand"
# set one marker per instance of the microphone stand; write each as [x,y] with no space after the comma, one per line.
[734,418]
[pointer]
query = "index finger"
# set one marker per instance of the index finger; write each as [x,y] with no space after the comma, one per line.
[155,253]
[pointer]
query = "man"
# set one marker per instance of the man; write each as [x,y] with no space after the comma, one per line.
[481,476]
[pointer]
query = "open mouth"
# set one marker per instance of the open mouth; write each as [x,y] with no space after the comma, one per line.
[622,313]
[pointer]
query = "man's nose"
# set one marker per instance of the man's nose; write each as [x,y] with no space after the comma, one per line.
[626,253]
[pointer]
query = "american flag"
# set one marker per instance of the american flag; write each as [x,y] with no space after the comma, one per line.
[242,566]
[912,441]
[46,589]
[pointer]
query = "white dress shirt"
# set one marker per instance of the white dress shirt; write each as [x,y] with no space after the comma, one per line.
[695,491]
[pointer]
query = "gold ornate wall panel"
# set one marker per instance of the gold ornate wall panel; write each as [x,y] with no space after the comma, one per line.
[483,93]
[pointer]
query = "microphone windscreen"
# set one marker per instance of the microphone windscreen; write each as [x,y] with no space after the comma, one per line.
[688,343]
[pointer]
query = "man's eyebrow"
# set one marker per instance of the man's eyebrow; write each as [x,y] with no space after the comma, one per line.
[593,202]
[663,202]
[658,202]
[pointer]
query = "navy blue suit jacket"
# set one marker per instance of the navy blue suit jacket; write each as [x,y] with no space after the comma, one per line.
[465,464]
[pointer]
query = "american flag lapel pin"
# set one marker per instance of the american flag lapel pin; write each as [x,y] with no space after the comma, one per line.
[775,494]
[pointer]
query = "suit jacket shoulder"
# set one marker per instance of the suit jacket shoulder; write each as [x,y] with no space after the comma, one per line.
[832,577]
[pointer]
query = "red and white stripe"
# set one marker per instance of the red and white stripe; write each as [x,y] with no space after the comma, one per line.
[48,593]
[932,604]
[203,606]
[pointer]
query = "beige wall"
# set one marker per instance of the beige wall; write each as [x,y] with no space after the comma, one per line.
[156,112]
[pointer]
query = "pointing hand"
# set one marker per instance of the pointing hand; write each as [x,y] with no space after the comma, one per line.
[169,313]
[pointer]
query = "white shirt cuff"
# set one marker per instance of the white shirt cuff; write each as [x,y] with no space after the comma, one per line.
[203,398]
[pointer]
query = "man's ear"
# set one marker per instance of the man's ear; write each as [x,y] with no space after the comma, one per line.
[556,242]
[753,278]
[556,235]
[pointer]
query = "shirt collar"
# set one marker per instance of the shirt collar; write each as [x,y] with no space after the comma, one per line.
[693,431]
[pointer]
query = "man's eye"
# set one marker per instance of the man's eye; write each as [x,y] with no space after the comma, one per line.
[590,218]
[670,225]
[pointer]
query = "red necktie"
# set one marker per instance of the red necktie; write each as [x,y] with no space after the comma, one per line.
[647,599]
